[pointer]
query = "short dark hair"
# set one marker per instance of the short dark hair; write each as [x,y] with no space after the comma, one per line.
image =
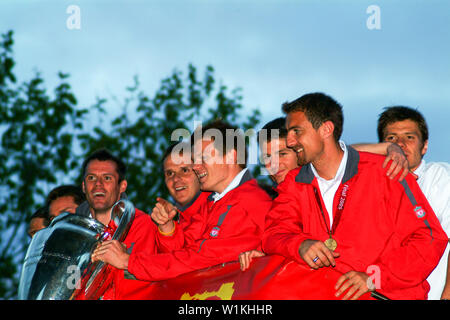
[318,108]
[105,155]
[67,191]
[275,124]
[42,212]
[400,113]
[224,128]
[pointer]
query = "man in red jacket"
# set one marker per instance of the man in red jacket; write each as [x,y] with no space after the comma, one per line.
[340,210]
[104,184]
[230,222]
[183,186]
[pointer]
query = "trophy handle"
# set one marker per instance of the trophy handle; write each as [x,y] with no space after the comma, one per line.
[122,213]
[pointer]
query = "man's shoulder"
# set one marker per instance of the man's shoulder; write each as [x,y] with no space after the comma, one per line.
[202,197]
[292,174]
[250,190]
[437,168]
[140,217]
[436,174]
[371,164]
[368,158]
[139,213]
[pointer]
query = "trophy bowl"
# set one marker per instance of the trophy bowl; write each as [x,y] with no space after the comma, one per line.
[58,265]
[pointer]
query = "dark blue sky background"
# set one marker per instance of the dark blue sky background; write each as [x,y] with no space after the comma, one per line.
[274,50]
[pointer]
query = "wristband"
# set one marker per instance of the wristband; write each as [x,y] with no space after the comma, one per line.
[168,233]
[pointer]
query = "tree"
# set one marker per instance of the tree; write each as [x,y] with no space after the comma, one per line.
[45,138]
[36,142]
[175,105]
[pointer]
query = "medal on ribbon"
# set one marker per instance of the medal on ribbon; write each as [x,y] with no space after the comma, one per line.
[331,243]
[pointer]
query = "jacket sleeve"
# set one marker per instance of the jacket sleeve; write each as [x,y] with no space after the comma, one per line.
[283,232]
[184,231]
[238,233]
[142,233]
[168,243]
[421,238]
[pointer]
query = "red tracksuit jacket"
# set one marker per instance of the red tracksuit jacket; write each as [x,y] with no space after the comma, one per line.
[140,237]
[216,234]
[190,209]
[167,244]
[385,225]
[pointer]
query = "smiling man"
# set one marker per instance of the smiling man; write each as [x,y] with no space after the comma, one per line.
[341,210]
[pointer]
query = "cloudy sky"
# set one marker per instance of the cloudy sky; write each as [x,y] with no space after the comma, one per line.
[275,50]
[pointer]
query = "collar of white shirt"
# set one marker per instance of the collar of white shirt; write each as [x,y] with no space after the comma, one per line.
[420,169]
[341,170]
[233,184]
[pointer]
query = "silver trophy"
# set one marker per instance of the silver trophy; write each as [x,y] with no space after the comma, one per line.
[58,264]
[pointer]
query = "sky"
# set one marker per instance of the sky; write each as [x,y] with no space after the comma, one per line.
[365,54]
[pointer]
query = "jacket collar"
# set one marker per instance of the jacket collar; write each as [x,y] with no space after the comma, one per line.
[183,208]
[246,177]
[306,175]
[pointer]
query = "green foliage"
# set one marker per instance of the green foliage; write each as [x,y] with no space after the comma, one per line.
[42,135]
[36,146]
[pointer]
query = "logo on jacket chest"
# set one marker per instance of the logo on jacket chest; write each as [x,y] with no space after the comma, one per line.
[420,212]
[214,232]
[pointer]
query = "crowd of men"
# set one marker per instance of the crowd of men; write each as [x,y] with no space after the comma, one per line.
[332,205]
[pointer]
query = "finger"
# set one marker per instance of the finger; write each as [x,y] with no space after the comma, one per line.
[321,259]
[330,256]
[404,173]
[243,259]
[100,252]
[316,260]
[358,294]
[309,261]
[245,263]
[395,169]
[162,210]
[340,281]
[344,286]
[391,169]
[352,289]
[156,215]
[386,161]
[166,205]
[248,259]
[173,212]
[159,216]
[256,253]
[115,245]
[335,254]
